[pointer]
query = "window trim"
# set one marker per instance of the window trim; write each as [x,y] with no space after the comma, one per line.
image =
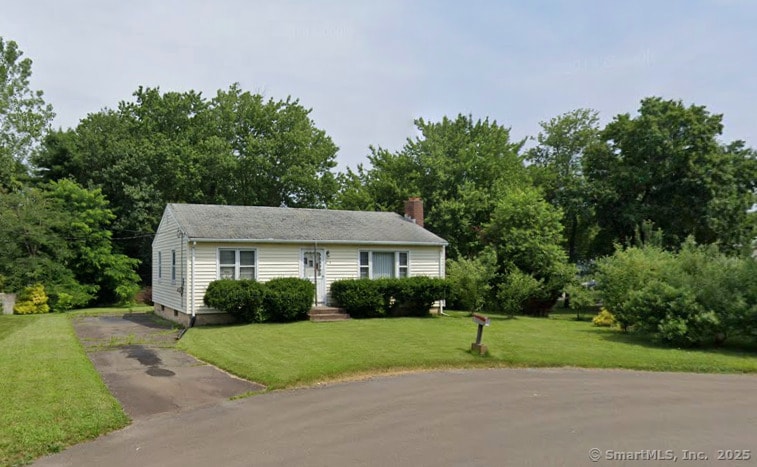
[237,263]
[173,266]
[397,267]
[160,265]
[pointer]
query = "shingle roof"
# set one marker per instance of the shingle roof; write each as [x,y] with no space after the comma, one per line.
[216,222]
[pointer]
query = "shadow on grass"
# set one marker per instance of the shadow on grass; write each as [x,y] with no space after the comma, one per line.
[734,347]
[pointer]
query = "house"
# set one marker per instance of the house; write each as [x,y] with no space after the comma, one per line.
[196,244]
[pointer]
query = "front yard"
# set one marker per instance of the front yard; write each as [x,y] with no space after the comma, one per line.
[286,355]
[50,394]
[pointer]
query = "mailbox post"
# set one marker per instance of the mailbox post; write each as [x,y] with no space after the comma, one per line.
[481,321]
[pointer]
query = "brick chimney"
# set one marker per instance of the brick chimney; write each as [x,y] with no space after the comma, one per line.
[414,210]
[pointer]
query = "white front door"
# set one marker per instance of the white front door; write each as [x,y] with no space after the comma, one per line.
[314,270]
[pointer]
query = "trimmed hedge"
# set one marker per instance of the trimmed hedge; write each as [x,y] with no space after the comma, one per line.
[287,299]
[242,299]
[360,297]
[280,300]
[409,296]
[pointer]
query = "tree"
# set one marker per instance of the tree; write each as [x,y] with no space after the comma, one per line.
[24,116]
[459,167]
[235,148]
[283,159]
[557,168]
[86,231]
[33,251]
[666,166]
[526,233]
[58,237]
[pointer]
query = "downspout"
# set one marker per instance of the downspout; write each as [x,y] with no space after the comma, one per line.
[192,285]
[191,295]
[315,270]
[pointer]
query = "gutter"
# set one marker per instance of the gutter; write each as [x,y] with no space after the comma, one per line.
[322,242]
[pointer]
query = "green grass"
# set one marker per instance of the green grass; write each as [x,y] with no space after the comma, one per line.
[286,355]
[112,310]
[50,394]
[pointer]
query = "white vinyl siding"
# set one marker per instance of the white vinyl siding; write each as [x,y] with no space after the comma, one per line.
[164,291]
[284,260]
[271,261]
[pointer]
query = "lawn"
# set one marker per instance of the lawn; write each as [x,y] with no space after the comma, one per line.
[51,395]
[286,355]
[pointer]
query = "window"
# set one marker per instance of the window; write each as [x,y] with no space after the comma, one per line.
[378,264]
[160,264]
[173,265]
[236,263]
[364,265]
[402,266]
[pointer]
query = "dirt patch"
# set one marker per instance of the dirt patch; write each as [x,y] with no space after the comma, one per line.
[135,355]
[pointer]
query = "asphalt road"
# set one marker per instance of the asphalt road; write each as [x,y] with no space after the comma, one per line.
[507,417]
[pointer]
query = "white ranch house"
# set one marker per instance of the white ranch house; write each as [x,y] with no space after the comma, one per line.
[196,244]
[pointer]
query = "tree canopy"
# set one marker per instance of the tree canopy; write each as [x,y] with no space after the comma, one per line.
[556,164]
[79,206]
[24,115]
[236,148]
[667,166]
[459,167]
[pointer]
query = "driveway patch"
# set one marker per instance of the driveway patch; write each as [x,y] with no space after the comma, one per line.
[134,354]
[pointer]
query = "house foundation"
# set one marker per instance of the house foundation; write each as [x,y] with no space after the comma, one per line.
[182,318]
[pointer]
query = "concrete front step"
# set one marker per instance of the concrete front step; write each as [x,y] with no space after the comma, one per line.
[327,313]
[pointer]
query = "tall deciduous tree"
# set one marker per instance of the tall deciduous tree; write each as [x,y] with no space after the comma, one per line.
[460,167]
[24,115]
[557,167]
[236,148]
[667,166]
[92,259]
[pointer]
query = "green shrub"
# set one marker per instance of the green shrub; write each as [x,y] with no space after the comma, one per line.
[470,281]
[61,302]
[31,300]
[696,296]
[360,297]
[287,299]
[69,295]
[516,290]
[604,319]
[242,299]
[410,296]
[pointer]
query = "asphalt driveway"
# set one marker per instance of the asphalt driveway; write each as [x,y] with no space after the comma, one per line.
[506,417]
[134,354]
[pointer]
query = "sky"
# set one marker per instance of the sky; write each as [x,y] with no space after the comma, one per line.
[368,69]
